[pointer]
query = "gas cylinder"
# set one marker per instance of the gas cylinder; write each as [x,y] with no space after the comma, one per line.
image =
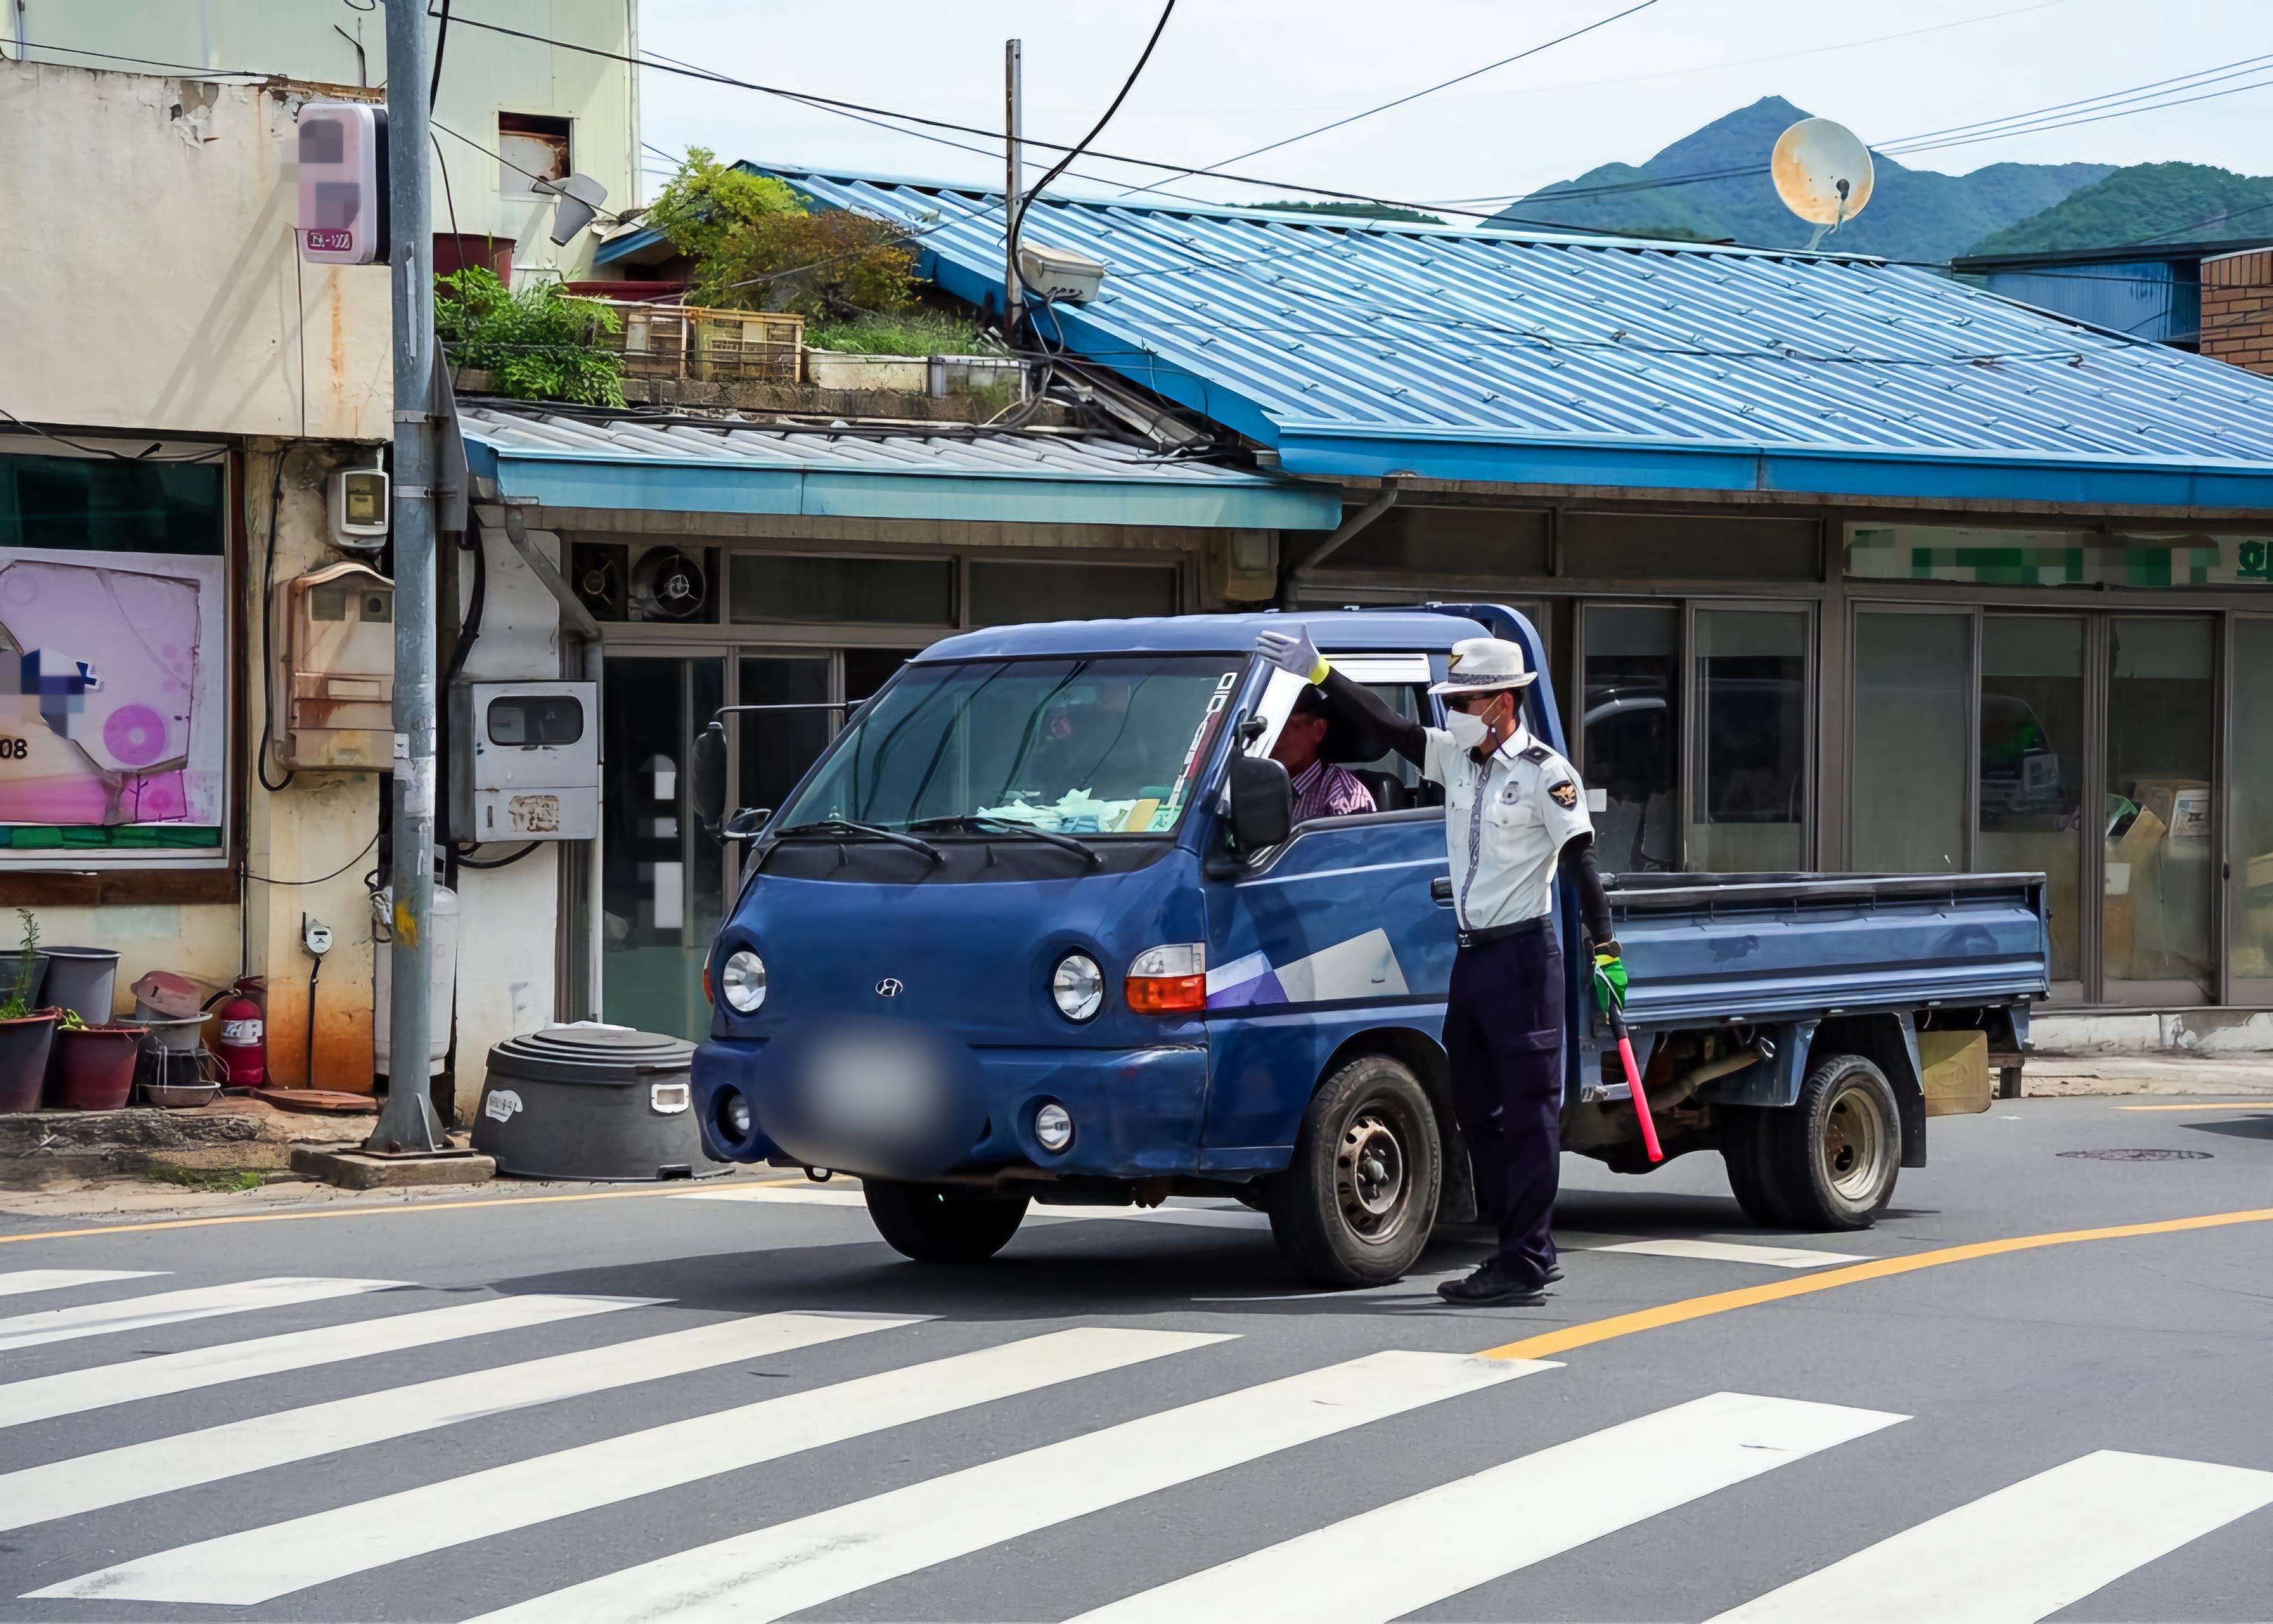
[242,1047]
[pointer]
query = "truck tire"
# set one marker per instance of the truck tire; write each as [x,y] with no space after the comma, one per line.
[1833,1155]
[1355,1205]
[1747,1153]
[938,1224]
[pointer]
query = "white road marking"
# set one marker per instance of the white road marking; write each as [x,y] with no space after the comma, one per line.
[263,1563]
[1435,1545]
[70,1391]
[134,1313]
[159,1465]
[783,1194]
[1730,1252]
[18,1282]
[2023,1553]
[776,1571]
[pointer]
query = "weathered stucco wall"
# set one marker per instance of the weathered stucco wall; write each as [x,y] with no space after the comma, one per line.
[152,278]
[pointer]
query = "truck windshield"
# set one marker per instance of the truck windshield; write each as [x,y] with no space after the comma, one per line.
[1106,746]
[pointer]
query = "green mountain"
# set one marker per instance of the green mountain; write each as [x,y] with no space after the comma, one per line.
[2146,203]
[1723,192]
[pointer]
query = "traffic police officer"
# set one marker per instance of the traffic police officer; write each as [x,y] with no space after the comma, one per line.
[1515,814]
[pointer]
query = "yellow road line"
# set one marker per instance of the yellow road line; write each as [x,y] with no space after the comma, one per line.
[1552,1342]
[673,1187]
[2213,1105]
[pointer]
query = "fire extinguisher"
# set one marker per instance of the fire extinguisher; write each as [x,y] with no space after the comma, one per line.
[243,1049]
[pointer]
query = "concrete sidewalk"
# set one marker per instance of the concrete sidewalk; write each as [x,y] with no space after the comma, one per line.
[2052,1075]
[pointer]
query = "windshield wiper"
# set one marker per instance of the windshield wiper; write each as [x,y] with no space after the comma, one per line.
[1006,825]
[843,826]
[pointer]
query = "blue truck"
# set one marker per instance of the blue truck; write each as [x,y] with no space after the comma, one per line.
[1039,927]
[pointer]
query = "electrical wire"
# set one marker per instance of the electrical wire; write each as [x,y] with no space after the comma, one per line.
[218,453]
[1416,95]
[442,44]
[320,879]
[499,862]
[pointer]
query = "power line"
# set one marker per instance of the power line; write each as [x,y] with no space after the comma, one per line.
[1416,95]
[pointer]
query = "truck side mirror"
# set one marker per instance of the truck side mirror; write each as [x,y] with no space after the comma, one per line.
[747,823]
[707,778]
[1262,803]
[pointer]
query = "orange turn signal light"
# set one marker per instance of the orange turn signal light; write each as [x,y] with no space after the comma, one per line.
[1166,995]
[708,997]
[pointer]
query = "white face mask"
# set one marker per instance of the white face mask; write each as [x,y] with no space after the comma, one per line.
[1468,732]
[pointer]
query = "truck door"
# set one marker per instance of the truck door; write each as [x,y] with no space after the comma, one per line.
[1332,933]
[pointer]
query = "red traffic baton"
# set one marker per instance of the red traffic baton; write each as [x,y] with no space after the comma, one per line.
[1633,1079]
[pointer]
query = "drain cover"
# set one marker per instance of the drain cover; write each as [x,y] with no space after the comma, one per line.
[2138,1156]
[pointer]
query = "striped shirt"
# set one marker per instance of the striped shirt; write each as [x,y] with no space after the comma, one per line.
[1324,791]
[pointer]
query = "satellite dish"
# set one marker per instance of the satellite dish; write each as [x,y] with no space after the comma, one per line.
[1822,173]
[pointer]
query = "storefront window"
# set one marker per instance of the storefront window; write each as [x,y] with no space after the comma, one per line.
[1630,732]
[1913,682]
[1014,593]
[661,874]
[1748,792]
[2250,845]
[2032,768]
[2155,935]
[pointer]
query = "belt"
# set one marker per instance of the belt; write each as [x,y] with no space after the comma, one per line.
[1537,923]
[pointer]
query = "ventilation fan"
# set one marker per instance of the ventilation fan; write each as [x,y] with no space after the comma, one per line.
[670,585]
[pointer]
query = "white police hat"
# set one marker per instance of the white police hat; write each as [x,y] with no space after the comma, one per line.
[1485,665]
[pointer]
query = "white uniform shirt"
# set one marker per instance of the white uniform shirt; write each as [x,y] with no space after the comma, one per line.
[1506,821]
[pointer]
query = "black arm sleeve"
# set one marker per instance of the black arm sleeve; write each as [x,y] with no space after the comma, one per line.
[1362,705]
[1577,861]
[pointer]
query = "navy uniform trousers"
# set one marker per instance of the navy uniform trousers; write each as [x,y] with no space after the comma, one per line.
[1504,1033]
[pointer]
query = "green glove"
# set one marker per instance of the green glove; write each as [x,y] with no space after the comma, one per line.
[1610,977]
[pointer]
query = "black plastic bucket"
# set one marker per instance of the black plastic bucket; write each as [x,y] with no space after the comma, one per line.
[600,1102]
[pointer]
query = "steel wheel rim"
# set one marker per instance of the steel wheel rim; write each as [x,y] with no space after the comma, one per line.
[1856,1139]
[1373,1182]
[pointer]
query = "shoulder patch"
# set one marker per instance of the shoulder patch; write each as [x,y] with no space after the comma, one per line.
[1565,794]
[1535,755]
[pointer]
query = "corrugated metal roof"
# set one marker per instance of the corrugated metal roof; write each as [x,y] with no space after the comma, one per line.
[1364,348]
[623,463]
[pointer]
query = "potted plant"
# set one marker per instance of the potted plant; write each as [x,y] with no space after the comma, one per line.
[25,1032]
[98,1063]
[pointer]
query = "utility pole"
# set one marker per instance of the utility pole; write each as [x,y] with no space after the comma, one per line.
[407,1124]
[1014,182]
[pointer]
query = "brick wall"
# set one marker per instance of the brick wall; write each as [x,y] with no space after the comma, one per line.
[2237,308]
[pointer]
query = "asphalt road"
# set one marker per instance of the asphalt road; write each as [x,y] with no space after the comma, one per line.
[778,1418]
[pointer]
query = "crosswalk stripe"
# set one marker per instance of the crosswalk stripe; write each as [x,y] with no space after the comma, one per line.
[17,1282]
[1732,1251]
[261,1564]
[159,1466]
[134,1313]
[2026,1552]
[776,1571]
[1452,1538]
[69,1392]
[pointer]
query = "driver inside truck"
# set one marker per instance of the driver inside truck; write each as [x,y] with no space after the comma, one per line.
[1515,816]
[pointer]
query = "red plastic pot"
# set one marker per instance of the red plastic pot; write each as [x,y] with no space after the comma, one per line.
[99,1065]
[24,1059]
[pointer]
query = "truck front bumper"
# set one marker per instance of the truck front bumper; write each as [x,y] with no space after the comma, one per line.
[1136,1112]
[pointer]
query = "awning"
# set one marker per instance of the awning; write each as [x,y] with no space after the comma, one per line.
[972,475]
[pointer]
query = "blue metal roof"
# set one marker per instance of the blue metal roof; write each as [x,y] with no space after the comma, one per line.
[1007,477]
[1382,631]
[1374,347]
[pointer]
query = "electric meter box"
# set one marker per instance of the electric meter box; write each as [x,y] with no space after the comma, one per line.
[336,712]
[527,760]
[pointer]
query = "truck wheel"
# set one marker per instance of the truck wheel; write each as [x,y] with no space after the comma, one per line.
[1748,1155]
[1834,1155]
[936,1224]
[1357,1202]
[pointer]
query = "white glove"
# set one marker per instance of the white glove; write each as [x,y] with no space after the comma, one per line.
[1294,652]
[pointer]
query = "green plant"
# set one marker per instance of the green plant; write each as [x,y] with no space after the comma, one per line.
[536,342]
[18,1003]
[915,332]
[71,1022]
[207,1177]
[757,246]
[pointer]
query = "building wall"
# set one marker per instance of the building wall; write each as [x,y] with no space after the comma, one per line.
[2237,319]
[152,279]
[483,74]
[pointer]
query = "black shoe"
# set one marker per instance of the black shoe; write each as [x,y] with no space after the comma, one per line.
[1489,1288]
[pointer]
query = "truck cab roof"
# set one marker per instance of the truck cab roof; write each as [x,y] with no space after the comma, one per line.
[1420,630]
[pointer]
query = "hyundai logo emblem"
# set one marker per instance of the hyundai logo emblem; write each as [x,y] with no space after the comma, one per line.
[890,987]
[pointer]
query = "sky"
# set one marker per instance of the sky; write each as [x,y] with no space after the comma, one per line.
[1232,75]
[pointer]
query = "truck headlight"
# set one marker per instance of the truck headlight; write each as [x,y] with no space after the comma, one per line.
[734,1115]
[1078,987]
[743,981]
